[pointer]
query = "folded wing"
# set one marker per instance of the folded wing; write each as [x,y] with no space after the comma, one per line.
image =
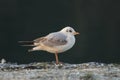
[51,40]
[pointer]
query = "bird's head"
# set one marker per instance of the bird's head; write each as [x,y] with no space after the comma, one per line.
[69,30]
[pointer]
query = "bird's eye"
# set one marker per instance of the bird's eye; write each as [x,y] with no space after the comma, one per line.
[70,30]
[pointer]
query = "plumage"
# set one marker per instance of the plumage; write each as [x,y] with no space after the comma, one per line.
[55,42]
[52,40]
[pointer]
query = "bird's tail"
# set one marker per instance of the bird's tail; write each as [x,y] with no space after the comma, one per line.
[26,43]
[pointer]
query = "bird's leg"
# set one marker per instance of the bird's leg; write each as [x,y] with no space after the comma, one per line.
[56,57]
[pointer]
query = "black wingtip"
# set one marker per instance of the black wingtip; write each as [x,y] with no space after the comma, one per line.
[27,45]
[25,41]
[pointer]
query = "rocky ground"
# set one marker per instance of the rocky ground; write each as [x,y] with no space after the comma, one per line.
[51,71]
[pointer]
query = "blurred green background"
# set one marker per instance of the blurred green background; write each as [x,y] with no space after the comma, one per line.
[96,20]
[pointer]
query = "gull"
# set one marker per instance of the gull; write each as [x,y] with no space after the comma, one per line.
[55,42]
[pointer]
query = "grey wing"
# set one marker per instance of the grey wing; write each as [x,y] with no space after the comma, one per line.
[53,39]
[40,40]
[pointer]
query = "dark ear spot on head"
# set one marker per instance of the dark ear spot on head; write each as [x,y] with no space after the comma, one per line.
[67,30]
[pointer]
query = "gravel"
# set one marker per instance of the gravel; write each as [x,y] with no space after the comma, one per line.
[64,71]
